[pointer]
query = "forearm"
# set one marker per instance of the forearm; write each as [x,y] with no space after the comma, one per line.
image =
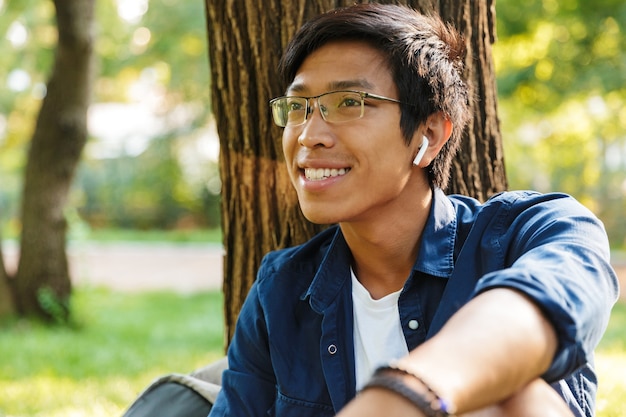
[490,349]
[536,399]
[488,354]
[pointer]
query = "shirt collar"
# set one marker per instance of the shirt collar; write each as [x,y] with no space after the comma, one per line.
[436,255]
[332,274]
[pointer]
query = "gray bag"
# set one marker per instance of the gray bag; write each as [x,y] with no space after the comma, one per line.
[178,395]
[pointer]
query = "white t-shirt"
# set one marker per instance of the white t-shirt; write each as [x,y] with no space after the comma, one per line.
[378,337]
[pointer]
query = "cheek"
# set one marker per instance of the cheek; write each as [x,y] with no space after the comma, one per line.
[392,171]
[290,147]
[286,145]
[289,141]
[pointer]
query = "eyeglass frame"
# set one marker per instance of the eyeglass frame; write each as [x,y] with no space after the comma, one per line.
[309,109]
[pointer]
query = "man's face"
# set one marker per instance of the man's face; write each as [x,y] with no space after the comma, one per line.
[354,171]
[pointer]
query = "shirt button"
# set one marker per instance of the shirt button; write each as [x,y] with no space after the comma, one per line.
[413,324]
[332,349]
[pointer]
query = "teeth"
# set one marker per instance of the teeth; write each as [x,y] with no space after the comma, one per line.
[316,174]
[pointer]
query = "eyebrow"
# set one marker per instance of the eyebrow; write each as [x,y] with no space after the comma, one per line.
[335,85]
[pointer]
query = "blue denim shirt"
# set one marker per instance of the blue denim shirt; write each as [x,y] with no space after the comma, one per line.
[292,353]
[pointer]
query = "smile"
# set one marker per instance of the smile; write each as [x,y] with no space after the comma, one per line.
[318,174]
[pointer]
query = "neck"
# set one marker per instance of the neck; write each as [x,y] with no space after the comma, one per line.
[384,251]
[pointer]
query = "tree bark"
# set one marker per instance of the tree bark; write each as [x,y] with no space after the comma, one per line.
[259,207]
[7,306]
[42,282]
[478,169]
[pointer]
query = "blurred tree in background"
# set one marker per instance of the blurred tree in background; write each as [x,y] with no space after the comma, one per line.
[41,286]
[151,161]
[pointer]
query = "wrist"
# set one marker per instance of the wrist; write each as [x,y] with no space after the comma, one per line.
[412,388]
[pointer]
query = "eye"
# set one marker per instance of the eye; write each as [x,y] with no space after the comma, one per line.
[350,102]
[295,105]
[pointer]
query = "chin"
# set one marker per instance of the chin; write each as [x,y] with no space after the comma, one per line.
[319,216]
[319,219]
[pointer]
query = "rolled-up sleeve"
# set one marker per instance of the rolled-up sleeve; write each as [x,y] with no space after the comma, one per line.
[558,255]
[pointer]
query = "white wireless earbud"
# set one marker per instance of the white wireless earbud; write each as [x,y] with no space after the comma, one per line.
[422,151]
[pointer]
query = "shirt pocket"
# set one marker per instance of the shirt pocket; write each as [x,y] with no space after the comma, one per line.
[291,407]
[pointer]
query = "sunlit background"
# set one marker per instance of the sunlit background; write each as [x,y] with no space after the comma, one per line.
[151,160]
[151,163]
[561,68]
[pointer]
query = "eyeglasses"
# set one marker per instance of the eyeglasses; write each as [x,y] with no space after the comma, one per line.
[335,107]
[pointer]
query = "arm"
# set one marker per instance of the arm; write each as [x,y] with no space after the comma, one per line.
[541,315]
[536,399]
[492,348]
[248,385]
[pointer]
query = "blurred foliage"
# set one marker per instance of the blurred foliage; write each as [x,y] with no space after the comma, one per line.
[146,164]
[159,194]
[561,68]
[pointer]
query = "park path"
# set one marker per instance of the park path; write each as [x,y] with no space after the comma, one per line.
[140,267]
[177,267]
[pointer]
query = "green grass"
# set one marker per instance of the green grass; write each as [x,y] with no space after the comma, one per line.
[81,232]
[611,366]
[120,344]
[145,236]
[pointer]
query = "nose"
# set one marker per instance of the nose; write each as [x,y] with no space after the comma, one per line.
[315,130]
[310,109]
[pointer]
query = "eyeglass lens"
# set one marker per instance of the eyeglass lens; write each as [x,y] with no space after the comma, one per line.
[335,107]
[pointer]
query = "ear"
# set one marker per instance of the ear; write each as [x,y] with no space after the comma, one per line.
[437,129]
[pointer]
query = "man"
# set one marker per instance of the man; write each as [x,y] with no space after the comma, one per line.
[425,304]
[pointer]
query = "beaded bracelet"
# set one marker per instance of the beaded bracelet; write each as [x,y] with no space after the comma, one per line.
[429,402]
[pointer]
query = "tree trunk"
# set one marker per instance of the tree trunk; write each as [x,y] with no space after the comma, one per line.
[259,207]
[478,169]
[7,307]
[42,282]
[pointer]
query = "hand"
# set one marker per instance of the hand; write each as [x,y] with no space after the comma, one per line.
[378,402]
[536,399]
